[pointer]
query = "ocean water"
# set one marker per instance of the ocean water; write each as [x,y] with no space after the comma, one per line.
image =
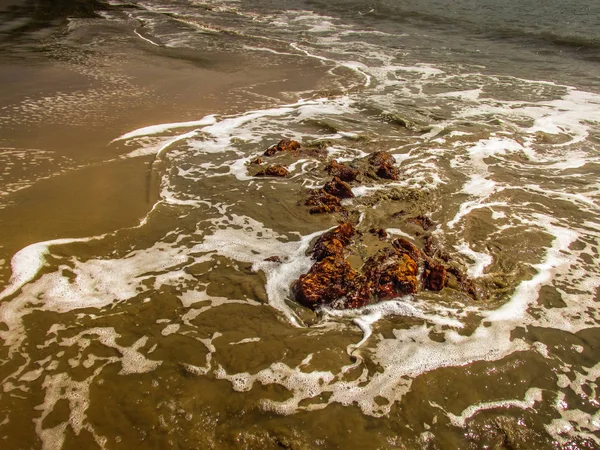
[177,332]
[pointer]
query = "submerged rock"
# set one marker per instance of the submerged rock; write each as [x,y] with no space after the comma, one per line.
[321,202]
[285,145]
[273,171]
[379,232]
[327,280]
[342,171]
[338,188]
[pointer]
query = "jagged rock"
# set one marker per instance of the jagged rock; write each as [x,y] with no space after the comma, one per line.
[382,159]
[332,247]
[434,276]
[385,165]
[326,281]
[273,171]
[338,188]
[275,258]
[342,171]
[322,202]
[285,145]
[405,246]
[390,274]
[333,242]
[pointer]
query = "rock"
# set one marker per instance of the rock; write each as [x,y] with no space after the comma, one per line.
[342,171]
[273,171]
[338,188]
[326,281]
[405,246]
[333,242]
[322,202]
[385,165]
[388,172]
[379,232]
[382,159]
[423,221]
[390,274]
[332,247]
[258,161]
[434,276]
[285,145]
[275,258]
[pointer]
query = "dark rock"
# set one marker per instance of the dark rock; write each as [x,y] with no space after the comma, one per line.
[405,246]
[338,188]
[423,221]
[342,171]
[323,202]
[434,276]
[326,281]
[285,145]
[258,161]
[273,171]
[275,258]
[379,232]
[388,172]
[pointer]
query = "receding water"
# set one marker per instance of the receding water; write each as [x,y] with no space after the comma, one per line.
[146,276]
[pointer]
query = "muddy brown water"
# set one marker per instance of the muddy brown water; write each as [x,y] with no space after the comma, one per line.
[138,310]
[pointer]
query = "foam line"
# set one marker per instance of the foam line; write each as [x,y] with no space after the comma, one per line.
[161,128]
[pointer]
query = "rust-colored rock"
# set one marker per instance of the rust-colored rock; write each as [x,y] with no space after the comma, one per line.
[323,249]
[338,188]
[258,161]
[344,233]
[382,159]
[285,145]
[342,171]
[275,258]
[333,242]
[434,276]
[423,221]
[273,171]
[405,246]
[322,202]
[390,274]
[385,165]
[326,281]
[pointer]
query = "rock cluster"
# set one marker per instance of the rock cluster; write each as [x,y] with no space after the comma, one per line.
[395,268]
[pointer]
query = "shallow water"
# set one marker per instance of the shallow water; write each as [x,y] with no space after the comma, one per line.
[138,309]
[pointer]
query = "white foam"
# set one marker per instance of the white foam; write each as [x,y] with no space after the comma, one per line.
[481,260]
[164,127]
